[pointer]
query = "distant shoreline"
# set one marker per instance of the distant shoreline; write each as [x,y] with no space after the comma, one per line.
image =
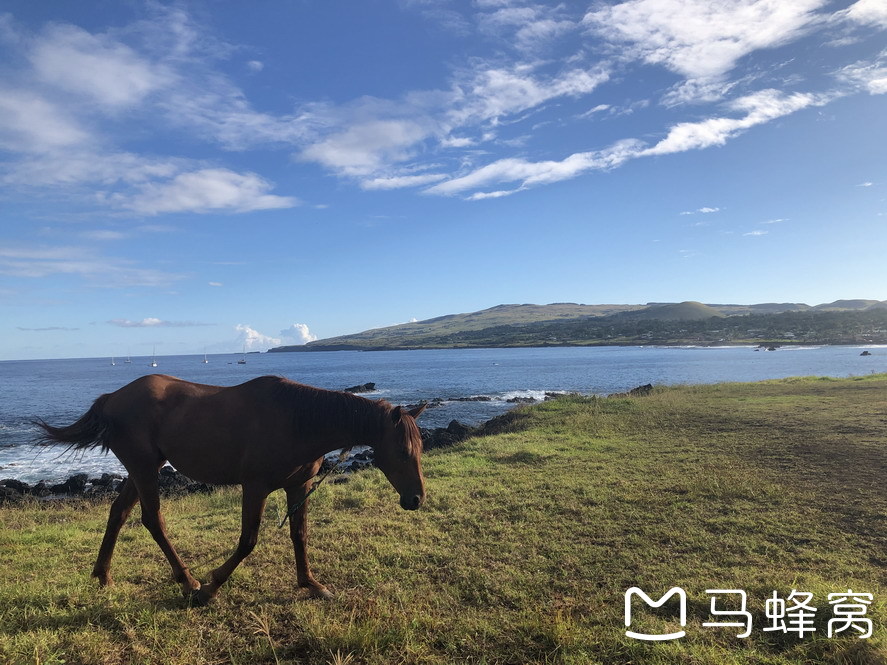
[304,348]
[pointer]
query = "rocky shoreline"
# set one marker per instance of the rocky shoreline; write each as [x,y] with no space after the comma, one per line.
[173,483]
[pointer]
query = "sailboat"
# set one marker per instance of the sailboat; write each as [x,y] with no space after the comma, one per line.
[242,361]
[154,357]
[128,360]
[112,361]
[205,361]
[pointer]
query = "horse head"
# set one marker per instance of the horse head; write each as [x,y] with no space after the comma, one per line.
[399,455]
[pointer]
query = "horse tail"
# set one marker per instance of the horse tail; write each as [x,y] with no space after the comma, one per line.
[90,431]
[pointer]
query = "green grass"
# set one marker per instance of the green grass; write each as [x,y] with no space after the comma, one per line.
[522,554]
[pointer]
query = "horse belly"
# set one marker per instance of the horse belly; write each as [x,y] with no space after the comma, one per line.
[205,454]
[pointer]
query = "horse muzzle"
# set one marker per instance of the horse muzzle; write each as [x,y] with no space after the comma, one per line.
[411,502]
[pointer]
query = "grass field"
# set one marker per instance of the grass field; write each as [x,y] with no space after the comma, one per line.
[522,554]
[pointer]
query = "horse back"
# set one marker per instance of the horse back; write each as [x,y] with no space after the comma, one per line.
[211,433]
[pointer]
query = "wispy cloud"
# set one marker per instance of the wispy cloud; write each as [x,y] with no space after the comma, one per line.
[63,113]
[151,322]
[756,233]
[44,261]
[703,210]
[47,329]
[758,108]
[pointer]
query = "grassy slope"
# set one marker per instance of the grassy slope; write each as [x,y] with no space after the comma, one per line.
[501,315]
[523,552]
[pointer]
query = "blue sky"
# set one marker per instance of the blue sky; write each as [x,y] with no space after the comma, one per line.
[216,174]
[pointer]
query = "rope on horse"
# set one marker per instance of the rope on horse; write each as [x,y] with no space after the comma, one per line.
[292,511]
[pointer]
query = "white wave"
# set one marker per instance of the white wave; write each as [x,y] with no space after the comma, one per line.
[537,395]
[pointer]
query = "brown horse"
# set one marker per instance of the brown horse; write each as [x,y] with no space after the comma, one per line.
[265,434]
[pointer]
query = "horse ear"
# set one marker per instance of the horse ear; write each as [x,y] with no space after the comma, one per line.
[419,410]
[396,414]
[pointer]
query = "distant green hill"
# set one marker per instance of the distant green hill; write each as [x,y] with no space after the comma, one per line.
[571,324]
[682,311]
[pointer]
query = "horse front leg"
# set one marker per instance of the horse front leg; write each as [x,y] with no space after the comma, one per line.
[296,496]
[120,509]
[252,507]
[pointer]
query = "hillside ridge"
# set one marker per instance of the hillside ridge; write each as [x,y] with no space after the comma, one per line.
[570,324]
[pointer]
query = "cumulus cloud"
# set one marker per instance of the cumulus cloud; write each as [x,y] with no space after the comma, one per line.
[297,333]
[252,340]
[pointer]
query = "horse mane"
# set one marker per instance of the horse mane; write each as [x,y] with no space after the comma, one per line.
[316,411]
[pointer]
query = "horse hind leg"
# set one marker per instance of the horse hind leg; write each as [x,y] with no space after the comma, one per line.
[120,509]
[149,495]
[252,507]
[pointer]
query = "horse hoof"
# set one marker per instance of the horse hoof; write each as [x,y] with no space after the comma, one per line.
[320,592]
[199,597]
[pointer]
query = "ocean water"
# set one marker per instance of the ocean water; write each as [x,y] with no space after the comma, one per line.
[60,391]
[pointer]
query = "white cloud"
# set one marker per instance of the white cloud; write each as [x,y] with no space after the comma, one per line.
[104,234]
[528,27]
[95,66]
[297,333]
[536,173]
[255,66]
[365,147]
[252,340]
[367,138]
[152,322]
[867,12]
[42,261]
[760,107]
[397,182]
[90,166]
[755,234]
[865,184]
[870,76]
[698,38]
[218,190]
[704,211]
[216,284]
[31,123]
